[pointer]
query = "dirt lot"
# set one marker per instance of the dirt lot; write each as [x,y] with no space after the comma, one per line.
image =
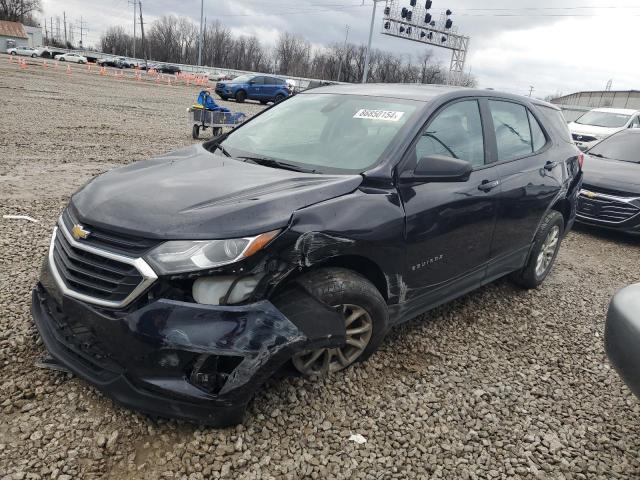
[500,384]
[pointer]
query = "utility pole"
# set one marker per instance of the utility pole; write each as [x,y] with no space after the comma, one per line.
[135,21]
[82,28]
[64,15]
[200,37]
[368,54]
[344,51]
[531,89]
[51,29]
[144,51]
[46,33]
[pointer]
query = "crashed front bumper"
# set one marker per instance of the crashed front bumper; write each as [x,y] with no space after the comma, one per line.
[201,363]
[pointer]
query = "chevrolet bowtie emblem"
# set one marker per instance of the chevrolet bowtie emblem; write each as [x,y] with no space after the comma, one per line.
[589,194]
[79,233]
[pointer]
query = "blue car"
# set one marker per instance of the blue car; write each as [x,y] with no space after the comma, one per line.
[254,87]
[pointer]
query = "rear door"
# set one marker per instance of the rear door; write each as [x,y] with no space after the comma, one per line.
[271,85]
[531,179]
[450,226]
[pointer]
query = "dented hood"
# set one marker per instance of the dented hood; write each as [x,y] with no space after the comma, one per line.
[194,194]
[616,175]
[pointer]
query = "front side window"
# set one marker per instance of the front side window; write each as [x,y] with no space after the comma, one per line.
[258,81]
[511,125]
[242,79]
[455,132]
[324,132]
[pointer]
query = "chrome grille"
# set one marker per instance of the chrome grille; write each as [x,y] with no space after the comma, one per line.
[96,276]
[606,208]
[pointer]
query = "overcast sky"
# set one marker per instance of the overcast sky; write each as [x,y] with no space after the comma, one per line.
[552,45]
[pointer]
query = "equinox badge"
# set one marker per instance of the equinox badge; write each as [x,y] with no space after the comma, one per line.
[79,233]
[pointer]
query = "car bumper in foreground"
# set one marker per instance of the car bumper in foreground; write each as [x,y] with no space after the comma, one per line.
[622,335]
[175,359]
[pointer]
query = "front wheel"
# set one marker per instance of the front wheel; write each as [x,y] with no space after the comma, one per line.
[241,96]
[33,55]
[543,255]
[61,59]
[13,53]
[363,309]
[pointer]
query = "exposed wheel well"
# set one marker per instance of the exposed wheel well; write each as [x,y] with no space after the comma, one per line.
[365,267]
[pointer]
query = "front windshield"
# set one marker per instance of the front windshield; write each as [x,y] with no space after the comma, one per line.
[623,146]
[604,119]
[242,79]
[324,132]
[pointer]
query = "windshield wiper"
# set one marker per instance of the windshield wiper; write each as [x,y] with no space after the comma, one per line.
[222,149]
[270,162]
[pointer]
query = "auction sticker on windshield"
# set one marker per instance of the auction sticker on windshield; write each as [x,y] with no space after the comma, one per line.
[387,115]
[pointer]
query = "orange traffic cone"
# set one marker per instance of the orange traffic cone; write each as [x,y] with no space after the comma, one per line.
[68,69]
[168,80]
[23,65]
[44,64]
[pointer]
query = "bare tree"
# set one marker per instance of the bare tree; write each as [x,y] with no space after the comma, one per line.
[116,41]
[23,11]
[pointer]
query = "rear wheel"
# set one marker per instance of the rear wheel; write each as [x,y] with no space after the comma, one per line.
[280,97]
[365,318]
[195,132]
[241,96]
[13,53]
[544,252]
[33,55]
[61,59]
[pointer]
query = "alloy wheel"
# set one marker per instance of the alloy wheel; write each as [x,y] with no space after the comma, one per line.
[359,327]
[548,251]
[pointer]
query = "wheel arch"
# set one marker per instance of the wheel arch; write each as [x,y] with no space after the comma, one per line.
[563,206]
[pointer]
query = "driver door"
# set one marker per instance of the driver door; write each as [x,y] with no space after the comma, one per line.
[450,225]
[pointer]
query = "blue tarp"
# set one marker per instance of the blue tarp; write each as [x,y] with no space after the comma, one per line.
[206,100]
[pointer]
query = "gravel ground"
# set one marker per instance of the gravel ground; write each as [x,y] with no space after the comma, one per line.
[499,384]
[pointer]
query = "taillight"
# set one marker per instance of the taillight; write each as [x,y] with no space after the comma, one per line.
[581,159]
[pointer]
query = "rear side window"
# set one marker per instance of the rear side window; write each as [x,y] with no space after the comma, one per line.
[556,120]
[537,135]
[513,134]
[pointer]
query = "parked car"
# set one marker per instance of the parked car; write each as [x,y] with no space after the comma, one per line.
[24,51]
[610,196]
[71,57]
[111,62]
[171,69]
[262,88]
[599,123]
[622,335]
[179,285]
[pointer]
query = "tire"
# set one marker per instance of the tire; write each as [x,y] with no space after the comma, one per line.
[280,97]
[195,132]
[263,102]
[343,289]
[241,96]
[543,254]
[61,59]
[13,53]
[33,55]
[216,131]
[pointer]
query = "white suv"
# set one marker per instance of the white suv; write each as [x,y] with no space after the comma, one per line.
[599,123]
[24,50]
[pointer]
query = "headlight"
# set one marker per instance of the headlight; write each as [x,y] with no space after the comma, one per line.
[182,256]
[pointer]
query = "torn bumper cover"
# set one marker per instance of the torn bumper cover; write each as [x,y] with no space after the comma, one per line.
[175,359]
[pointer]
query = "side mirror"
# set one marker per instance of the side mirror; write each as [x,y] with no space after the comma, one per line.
[439,168]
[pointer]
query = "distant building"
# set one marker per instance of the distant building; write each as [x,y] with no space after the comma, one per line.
[601,99]
[12,34]
[35,36]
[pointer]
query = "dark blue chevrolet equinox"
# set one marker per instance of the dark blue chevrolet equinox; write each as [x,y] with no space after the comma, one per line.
[254,87]
[178,285]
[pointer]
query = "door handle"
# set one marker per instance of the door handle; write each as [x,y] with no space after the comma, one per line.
[550,166]
[488,185]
